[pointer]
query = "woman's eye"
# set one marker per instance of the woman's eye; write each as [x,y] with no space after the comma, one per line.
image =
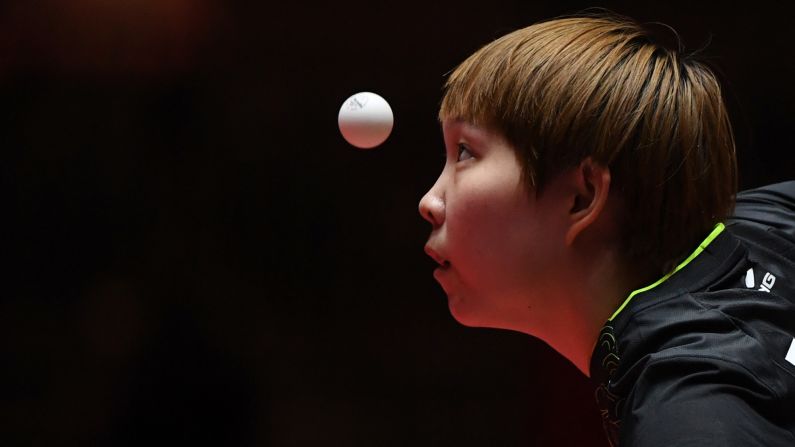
[463,152]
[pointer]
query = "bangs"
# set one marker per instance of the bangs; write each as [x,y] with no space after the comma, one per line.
[470,91]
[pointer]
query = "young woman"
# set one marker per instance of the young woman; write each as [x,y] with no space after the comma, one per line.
[589,199]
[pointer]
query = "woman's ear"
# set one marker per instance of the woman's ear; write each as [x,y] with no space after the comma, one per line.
[589,184]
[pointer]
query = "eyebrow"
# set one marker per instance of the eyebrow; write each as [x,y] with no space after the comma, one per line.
[473,133]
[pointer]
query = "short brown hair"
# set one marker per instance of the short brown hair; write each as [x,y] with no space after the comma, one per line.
[599,86]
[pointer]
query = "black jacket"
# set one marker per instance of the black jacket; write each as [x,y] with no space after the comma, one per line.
[707,356]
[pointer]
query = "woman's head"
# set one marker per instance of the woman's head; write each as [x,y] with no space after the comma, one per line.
[599,87]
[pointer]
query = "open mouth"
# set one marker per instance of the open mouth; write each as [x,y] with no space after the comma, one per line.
[442,263]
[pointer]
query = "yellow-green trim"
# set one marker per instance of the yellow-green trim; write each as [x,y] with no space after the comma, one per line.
[715,232]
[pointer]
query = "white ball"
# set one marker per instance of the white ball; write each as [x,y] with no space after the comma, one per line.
[365,120]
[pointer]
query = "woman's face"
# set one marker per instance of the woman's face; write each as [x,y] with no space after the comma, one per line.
[494,240]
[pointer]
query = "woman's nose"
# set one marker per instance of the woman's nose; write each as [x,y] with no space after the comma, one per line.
[432,207]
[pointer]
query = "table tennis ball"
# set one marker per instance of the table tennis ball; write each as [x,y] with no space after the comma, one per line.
[365,120]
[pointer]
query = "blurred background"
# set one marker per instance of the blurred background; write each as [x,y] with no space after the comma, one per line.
[194,255]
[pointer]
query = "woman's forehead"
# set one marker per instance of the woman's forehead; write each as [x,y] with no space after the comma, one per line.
[469,130]
[465,126]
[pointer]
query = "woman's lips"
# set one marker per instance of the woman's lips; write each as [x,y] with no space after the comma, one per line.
[436,257]
[441,269]
[441,275]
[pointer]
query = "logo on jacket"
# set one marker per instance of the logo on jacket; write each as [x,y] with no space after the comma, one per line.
[767,281]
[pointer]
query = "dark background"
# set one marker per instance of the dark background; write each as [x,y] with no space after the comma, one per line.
[195,256]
